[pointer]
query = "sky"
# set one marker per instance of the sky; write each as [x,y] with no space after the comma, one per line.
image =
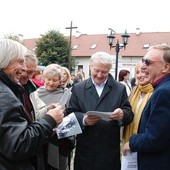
[32,18]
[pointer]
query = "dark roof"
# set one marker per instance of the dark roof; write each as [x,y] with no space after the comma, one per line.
[134,47]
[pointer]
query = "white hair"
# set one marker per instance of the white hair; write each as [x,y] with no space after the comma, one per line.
[103,57]
[30,56]
[9,50]
[52,70]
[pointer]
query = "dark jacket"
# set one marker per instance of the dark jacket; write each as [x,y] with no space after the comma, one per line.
[29,87]
[98,147]
[153,141]
[20,139]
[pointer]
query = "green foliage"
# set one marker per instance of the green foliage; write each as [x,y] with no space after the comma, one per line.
[53,47]
[13,37]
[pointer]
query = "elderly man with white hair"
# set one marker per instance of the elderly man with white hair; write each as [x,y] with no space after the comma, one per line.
[98,147]
[20,138]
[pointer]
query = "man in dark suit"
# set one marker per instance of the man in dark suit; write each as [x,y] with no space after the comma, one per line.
[153,141]
[98,147]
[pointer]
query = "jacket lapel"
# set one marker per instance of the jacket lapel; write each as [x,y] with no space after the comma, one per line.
[107,86]
[91,89]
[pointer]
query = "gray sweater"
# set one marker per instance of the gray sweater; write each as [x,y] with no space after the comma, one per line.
[42,98]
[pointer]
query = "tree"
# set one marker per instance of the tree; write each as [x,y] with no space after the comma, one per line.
[53,47]
[14,37]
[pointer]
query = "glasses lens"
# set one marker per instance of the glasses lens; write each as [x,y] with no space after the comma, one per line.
[146,61]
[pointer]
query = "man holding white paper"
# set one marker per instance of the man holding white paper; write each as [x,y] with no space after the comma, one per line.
[98,147]
[152,140]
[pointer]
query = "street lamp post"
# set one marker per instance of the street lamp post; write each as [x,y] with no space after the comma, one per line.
[118,46]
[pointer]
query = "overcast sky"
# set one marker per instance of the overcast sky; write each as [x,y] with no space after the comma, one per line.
[34,17]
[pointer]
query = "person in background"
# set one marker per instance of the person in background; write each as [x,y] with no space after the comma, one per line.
[138,98]
[66,78]
[43,99]
[74,78]
[152,141]
[80,75]
[98,147]
[21,139]
[37,78]
[25,80]
[124,79]
[124,76]
[133,82]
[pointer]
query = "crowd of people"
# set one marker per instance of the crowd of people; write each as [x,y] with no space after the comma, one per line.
[34,102]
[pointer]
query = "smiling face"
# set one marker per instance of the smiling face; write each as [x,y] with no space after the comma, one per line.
[156,67]
[99,72]
[15,69]
[141,77]
[52,82]
[29,72]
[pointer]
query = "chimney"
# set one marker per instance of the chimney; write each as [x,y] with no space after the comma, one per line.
[21,37]
[78,33]
[138,31]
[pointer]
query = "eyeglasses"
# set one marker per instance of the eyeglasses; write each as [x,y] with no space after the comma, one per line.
[148,61]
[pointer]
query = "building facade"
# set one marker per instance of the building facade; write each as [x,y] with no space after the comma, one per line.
[84,45]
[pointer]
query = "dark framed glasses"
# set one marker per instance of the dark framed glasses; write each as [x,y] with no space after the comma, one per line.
[148,61]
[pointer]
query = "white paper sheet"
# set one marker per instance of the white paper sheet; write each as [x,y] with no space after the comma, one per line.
[129,162]
[103,115]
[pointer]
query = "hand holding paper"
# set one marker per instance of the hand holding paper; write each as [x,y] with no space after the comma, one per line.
[102,115]
[129,161]
[69,127]
[91,120]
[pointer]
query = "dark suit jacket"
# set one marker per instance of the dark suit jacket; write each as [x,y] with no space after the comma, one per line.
[98,147]
[153,140]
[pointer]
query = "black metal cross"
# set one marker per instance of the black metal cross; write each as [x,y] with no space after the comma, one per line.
[69,56]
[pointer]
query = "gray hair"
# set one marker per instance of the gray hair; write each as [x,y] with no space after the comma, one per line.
[52,70]
[31,56]
[166,51]
[9,50]
[103,57]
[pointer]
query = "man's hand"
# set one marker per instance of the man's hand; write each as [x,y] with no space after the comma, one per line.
[125,148]
[117,114]
[57,113]
[51,106]
[91,119]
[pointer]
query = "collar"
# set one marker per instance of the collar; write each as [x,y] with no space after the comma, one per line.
[16,88]
[100,84]
[110,82]
[159,80]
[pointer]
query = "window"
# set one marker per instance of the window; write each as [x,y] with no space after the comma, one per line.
[93,46]
[146,46]
[75,47]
